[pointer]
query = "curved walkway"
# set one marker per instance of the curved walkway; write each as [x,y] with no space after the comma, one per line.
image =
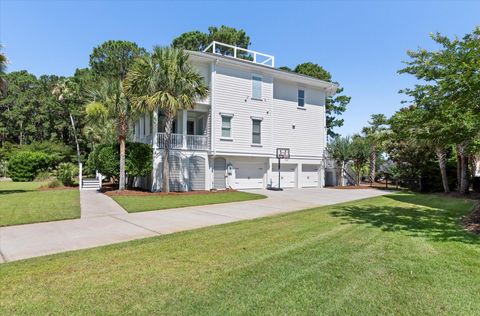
[104,222]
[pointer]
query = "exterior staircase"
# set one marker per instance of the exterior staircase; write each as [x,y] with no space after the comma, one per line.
[91,184]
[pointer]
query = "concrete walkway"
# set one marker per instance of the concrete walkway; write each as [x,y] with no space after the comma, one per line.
[106,223]
[94,204]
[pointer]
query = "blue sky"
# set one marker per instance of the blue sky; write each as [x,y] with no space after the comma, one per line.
[361,43]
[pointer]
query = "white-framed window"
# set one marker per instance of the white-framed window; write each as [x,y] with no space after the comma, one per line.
[227,126]
[256,87]
[301,98]
[256,131]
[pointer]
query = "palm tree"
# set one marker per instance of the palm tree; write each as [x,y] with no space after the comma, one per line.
[340,149]
[164,79]
[375,134]
[109,101]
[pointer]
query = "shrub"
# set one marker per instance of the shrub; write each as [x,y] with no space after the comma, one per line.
[66,173]
[58,151]
[25,165]
[139,159]
[476,184]
[106,159]
[42,176]
[54,184]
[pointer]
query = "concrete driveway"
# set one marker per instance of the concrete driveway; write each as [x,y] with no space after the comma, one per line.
[31,240]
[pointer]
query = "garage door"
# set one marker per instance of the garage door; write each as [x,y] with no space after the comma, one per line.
[249,175]
[310,175]
[287,175]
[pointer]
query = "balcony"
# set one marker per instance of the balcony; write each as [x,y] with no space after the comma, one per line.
[185,142]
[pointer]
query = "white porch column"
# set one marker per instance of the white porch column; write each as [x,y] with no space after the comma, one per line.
[184,128]
[154,130]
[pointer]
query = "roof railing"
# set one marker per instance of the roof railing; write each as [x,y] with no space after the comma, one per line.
[240,53]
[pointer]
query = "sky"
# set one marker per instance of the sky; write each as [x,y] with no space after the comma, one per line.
[362,43]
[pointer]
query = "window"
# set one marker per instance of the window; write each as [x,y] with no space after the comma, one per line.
[256,131]
[151,123]
[256,87]
[301,98]
[226,126]
[142,126]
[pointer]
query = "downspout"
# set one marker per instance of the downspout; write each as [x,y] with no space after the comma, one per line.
[212,107]
[212,120]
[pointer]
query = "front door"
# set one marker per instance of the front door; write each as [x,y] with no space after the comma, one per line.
[190,127]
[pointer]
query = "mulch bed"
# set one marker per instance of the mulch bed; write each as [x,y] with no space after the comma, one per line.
[350,187]
[365,186]
[45,188]
[472,221]
[139,192]
[471,196]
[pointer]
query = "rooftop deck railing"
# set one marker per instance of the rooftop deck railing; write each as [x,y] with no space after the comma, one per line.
[240,53]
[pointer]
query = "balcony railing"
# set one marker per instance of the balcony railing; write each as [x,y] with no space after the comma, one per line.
[180,141]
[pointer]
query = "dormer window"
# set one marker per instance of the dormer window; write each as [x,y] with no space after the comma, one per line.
[301,98]
[256,87]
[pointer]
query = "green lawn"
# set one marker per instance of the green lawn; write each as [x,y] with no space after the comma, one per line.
[22,203]
[403,254]
[134,203]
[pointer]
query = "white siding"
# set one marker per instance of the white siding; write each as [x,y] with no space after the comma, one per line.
[300,129]
[233,91]
[205,72]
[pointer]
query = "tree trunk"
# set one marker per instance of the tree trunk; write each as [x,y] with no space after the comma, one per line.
[464,176]
[342,175]
[459,171]
[442,163]
[373,161]
[122,132]
[465,187]
[166,152]
[121,183]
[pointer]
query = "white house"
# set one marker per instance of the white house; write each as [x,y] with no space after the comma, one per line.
[229,139]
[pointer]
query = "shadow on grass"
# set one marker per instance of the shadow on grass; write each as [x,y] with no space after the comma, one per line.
[4,192]
[436,218]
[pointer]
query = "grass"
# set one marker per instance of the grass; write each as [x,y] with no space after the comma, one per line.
[141,203]
[401,254]
[22,203]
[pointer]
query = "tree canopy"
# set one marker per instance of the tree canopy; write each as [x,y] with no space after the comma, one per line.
[198,41]
[113,58]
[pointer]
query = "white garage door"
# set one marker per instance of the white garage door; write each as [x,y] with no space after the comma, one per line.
[249,175]
[287,175]
[310,175]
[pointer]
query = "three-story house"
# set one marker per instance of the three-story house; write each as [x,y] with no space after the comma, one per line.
[229,139]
